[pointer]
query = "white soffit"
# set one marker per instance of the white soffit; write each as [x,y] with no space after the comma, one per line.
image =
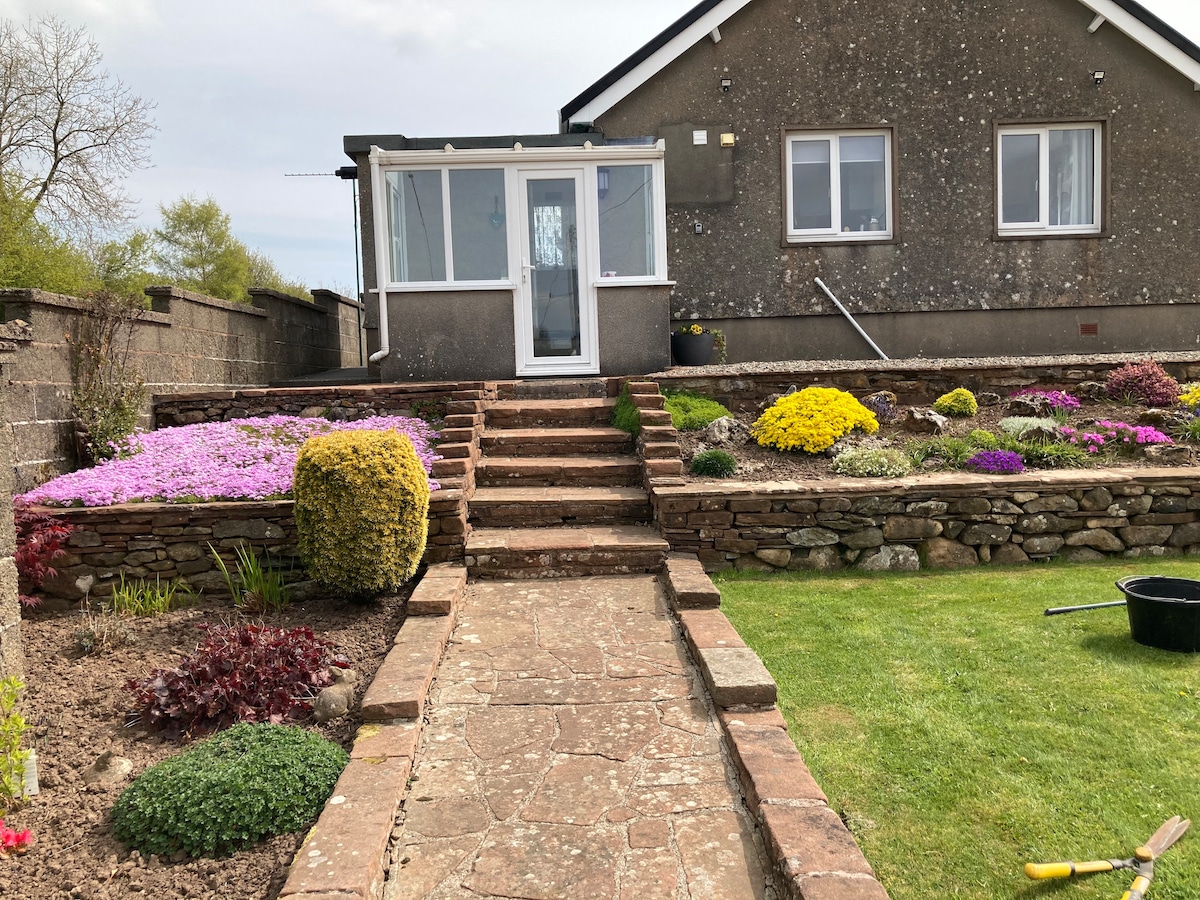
[1143,34]
[665,55]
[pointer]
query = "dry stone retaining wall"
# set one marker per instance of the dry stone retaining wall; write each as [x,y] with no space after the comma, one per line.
[934,521]
[11,656]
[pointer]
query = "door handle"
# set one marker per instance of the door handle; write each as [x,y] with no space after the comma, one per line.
[526,268]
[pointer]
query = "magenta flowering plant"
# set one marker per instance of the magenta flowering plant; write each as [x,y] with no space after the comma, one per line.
[996,462]
[1115,437]
[247,459]
[1061,403]
[13,842]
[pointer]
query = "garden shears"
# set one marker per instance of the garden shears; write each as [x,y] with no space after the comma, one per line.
[1142,861]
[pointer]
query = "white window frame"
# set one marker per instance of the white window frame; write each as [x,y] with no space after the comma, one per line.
[511,161]
[835,233]
[1042,227]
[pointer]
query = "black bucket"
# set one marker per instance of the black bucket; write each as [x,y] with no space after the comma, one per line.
[1163,612]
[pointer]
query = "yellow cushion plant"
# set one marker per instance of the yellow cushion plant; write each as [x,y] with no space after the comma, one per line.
[812,420]
[1191,395]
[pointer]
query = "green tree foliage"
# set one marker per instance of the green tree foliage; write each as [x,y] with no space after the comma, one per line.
[195,247]
[33,256]
[124,266]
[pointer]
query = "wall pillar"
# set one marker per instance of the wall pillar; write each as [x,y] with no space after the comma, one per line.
[12,659]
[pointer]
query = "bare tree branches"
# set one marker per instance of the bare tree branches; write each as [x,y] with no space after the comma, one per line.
[69,131]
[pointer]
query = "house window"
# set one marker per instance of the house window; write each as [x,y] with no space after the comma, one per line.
[839,186]
[447,225]
[626,211]
[1048,180]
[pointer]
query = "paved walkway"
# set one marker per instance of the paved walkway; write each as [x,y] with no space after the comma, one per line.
[571,753]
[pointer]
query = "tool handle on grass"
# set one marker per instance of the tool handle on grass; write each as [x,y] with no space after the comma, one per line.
[1137,891]
[1066,869]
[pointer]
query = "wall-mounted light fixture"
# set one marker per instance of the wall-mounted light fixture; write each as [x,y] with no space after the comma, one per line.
[1098,76]
[602,183]
[726,84]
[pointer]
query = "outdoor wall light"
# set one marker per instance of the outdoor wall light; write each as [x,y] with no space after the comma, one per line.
[602,183]
[726,84]
[1098,76]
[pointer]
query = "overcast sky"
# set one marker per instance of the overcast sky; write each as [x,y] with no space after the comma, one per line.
[248,90]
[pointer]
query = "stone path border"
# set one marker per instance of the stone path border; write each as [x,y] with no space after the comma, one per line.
[815,856]
[343,855]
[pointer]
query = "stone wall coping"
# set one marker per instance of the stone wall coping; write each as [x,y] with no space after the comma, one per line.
[939,482]
[734,371]
[260,296]
[162,295]
[76,304]
[334,298]
[350,391]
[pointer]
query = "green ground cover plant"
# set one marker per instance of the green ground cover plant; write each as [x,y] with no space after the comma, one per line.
[714,464]
[961,733]
[625,414]
[691,412]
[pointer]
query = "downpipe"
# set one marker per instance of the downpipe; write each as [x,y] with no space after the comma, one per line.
[381,274]
[845,312]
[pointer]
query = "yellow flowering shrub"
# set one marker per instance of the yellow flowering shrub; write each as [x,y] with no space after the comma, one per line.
[812,420]
[958,404]
[1191,395]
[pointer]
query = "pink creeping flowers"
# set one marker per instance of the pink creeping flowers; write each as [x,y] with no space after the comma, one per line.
[1119,436]
[246,459]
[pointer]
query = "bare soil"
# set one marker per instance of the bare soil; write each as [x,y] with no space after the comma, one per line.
[758,464]
[77,708]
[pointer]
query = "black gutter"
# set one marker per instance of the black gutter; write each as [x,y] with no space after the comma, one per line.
[1165,31]
[636,60]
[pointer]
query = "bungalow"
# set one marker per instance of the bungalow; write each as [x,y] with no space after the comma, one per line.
[966,178]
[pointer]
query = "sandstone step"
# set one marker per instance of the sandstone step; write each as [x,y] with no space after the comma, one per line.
[546,388]
[550,413]
[576,471]
[555,441]
[564,552]
[540,507]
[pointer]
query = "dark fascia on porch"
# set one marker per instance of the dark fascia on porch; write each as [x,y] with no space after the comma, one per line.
[356,145]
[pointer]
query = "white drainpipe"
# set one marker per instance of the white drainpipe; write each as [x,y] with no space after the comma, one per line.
[850,319]
[379,209]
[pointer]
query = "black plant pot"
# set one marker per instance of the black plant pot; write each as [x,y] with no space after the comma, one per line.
[692,349]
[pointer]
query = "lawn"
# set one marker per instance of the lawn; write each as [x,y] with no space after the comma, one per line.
[961,733]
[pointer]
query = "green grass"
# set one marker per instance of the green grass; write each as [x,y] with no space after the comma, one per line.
[961,733]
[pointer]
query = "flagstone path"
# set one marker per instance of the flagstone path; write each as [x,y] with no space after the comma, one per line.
[571,752]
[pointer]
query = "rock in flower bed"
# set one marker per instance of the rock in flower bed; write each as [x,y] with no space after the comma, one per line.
[247,459]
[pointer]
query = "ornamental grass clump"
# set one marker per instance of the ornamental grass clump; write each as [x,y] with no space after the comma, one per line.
[362,511]
[1146,382]
[713,464]
[958,404]
[812,420]
[872,462]
[691,412]
[228,792]
[996,462]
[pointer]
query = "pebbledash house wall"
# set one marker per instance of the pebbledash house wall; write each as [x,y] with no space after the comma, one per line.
[942,74]
[185,343]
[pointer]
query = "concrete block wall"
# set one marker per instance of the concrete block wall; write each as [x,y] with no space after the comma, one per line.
[184,342]
[11,656]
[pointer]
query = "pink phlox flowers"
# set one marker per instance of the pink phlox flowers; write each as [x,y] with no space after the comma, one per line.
[1121,432]
[245,459]
[1059,400]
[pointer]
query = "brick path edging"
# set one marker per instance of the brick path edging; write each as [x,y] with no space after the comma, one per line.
[810,847]
[343,856]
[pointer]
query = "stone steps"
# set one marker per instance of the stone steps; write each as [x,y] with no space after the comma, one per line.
[555,441]
[545,507]
[585,412]
[563,471]
[564,552]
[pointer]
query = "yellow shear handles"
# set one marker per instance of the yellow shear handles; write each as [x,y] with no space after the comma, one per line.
[1137,890]
[1066,869]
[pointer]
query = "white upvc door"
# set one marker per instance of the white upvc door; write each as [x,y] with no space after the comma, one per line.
[555,300]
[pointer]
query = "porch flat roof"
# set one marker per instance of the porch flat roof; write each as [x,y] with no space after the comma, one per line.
[356,145]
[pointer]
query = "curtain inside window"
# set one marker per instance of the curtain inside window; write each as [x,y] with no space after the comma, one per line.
[1072,176]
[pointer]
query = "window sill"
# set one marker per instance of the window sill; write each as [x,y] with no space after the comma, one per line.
[424,287]
[632,282]
[876,239]
[1048,235]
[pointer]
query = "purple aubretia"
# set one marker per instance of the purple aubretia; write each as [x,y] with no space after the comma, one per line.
[996,462]
[1060,402]
[248,459]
